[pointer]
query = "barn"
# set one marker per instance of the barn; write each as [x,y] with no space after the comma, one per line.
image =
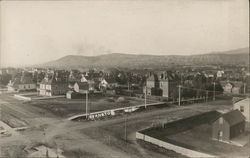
[228,126]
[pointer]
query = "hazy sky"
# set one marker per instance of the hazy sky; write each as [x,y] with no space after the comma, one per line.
[39,31]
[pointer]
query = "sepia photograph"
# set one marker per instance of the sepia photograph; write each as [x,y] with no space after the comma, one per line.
[124,79]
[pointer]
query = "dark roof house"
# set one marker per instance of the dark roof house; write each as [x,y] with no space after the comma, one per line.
[228,126]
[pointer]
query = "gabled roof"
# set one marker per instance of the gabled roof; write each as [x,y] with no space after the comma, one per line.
[23,80]
[233,117]
[244,102]
[110,80]
[152,77]
[233,83]
[83,85]
[224,83]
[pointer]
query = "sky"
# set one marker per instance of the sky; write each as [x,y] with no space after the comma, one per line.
[33,32]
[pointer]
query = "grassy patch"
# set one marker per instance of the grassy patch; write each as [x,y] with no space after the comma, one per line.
[66,107]
[12,121]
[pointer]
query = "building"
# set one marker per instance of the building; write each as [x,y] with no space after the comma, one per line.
[161,84]
[111,83]
[233,87]
[227,86]
[228,126]
[23,83]
[53,85]
[103,85]
[243,107]
[81,87]
[74,95]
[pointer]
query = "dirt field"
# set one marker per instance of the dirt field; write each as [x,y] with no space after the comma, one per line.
[101,138]
[12,121]
[66,107]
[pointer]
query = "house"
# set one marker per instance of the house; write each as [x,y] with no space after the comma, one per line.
[233,87]
[219,74]
[103,85]
[74,95]
[243,107]
[111,82]
[81,87]
[228,126]
[161,84]
[227,86]
[53,84]
[238,87]
[23,83]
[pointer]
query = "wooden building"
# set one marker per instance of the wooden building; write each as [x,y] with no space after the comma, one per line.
[53,85]
[228,126]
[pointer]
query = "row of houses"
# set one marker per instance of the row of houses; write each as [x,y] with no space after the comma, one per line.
[55,83]
[163,83]
[234,87]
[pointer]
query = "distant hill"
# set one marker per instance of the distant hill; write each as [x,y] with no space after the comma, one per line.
[233,57]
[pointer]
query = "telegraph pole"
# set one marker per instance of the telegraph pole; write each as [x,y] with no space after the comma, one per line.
[206,96]
[145,97]
[125,128]
[86,104]
[179,100]
[214,91]
[244,90]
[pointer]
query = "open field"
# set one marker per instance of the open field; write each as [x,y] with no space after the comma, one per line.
[12,120]
[101,138]
[121,134]
[67,107]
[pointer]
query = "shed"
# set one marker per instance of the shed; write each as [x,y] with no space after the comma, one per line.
[74,95]
[228,126]
[81,87]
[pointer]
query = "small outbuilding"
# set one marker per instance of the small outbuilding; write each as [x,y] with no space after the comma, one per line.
[74,95]
[81,87]
[228,126]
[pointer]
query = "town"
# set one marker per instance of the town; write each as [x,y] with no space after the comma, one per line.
[124,79]
[50,96]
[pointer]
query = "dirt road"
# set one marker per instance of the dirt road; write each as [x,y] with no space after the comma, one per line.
[91,137]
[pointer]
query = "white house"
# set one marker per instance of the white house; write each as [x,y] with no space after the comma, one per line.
[52,87]
[243,107]
[21,84]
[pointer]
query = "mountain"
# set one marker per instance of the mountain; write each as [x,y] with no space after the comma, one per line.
[233,57]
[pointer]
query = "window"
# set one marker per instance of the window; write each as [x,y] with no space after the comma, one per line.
[221,120]
[241,108]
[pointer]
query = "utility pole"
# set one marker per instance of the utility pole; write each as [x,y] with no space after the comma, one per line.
[179,100]
[214,91]
[86,104]
[145,97]
[206,96]
[125,128]
[244,89]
